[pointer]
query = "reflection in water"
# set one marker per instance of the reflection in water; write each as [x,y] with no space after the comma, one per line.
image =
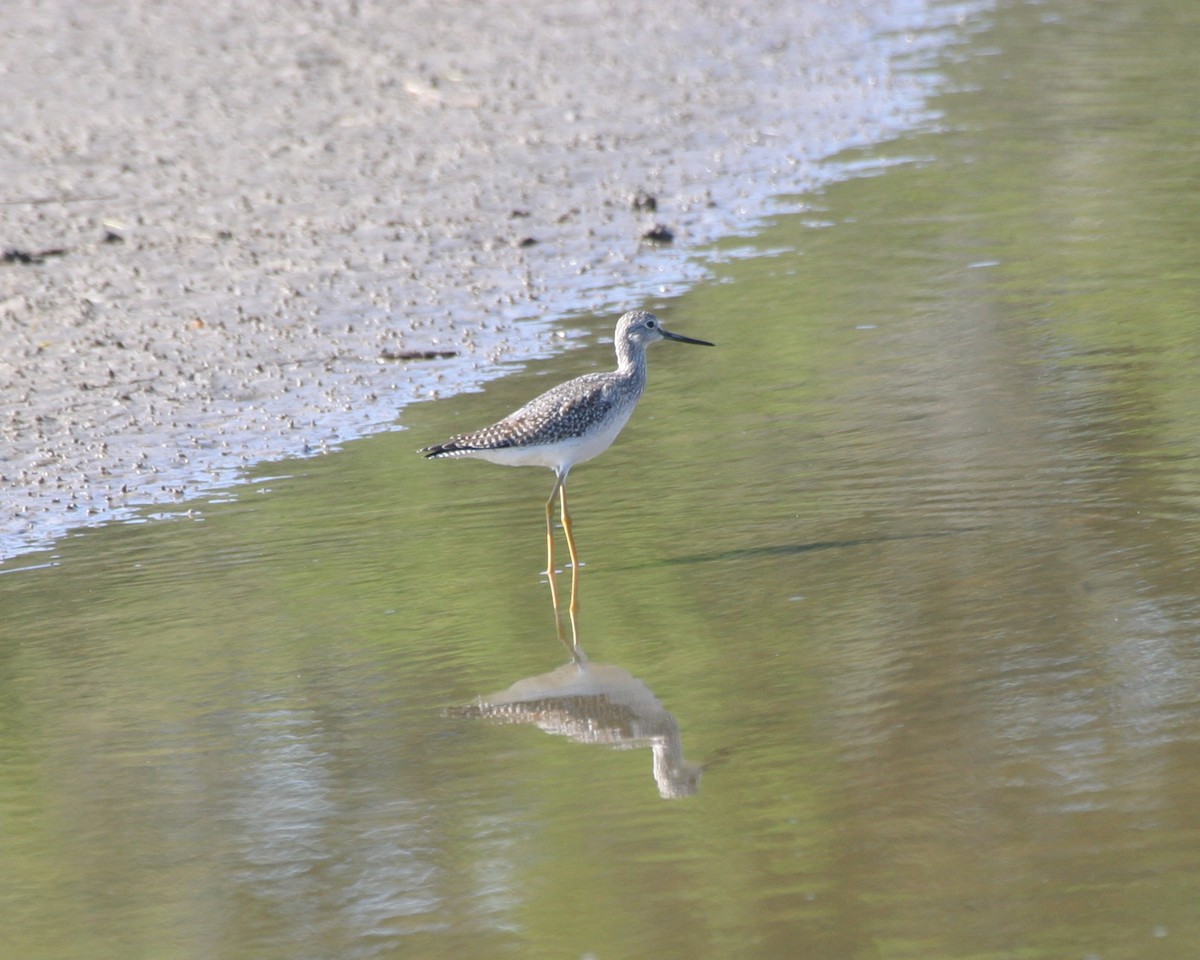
[597,703]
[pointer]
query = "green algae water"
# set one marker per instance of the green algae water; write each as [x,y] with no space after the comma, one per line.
[905,570]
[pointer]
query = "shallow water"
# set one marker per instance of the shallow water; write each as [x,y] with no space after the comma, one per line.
[907,567]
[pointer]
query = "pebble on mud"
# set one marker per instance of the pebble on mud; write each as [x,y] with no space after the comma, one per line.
[658,234]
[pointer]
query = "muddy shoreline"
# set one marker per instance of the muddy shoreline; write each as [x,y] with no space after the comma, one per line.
[232,236]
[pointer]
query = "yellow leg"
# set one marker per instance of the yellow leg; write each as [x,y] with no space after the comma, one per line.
[566,522]
[550,560]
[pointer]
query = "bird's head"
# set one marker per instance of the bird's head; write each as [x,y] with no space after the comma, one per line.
[644,328]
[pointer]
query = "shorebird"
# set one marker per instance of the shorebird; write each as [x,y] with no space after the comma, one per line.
[568,424]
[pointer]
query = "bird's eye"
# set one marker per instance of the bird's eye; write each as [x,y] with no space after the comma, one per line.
[650,324]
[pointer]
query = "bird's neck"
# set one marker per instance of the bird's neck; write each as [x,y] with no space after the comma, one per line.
[631,362]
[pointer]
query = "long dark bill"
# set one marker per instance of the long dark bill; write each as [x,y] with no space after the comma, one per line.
[682,339]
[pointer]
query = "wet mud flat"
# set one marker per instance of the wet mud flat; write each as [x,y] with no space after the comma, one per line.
[230,234]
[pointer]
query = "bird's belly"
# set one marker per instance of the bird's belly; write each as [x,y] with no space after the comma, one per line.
[567,452]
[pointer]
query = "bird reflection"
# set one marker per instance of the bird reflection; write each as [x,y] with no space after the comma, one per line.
[602,704]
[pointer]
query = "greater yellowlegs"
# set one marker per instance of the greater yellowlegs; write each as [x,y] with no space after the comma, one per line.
[568,424]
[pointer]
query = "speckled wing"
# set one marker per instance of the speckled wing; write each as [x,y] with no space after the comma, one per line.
[558,414]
